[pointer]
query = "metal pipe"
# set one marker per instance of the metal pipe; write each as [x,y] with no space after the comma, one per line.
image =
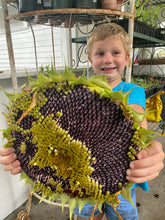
[9,46]
[35,47]
[53,47]
[87,55]
[130,33]
[70,47]
[75,11]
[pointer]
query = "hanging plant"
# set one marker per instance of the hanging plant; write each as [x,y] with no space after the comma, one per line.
[26,5]
[148,13]
[61,4]
[46,4]
[109,4]
[82,3]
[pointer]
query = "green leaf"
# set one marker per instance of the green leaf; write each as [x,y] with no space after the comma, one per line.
[26,179]
[68,76]
[6,133]
[100,206]
[7,107]
[120,95]
[81,203]
[123,96]
[84,74]
[126,193]
[99,90]
[39,82]
[80,80]
[92,201]
[12,97]
[147,136]
[55,77]
[100,81]
[64,199]
[6,115]
[54,196]
[32,81]
[72,205]
[43,197]
[137,116]
[6,145]
[42,80]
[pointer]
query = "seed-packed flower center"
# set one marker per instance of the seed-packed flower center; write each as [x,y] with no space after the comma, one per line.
[73,141]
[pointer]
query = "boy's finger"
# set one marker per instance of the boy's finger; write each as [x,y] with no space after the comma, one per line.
[16,171]
[5,160]
[147,171]
[142,179]
[14,165]
[153,149]
[13,170]
[147,162]
[6,151]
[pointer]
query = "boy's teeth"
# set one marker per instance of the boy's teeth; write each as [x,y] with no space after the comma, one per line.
[109,68]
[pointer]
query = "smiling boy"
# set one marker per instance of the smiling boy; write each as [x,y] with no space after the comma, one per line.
[108,51]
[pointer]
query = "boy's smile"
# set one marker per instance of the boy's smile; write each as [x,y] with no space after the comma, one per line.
[108,69]
[109,57]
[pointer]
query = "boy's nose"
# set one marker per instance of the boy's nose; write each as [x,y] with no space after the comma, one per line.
[108,58]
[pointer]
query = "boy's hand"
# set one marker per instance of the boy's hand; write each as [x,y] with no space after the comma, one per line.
[148,165]
[9,161]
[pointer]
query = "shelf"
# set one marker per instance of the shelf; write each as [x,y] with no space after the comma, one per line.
[144,41]
[144,35]
[139,41]
[56,17]
[66,18]
[152,61]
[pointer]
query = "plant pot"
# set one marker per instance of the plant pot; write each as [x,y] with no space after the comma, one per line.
[109,4]
[119,5]
[26,5]
[82,3]
[61,4]
[46,4]
[96,4]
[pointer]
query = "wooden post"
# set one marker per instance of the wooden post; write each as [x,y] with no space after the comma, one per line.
[69,47]
[9,46]
[130,33]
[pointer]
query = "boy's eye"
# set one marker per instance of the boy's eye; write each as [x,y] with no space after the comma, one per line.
[116,52]
[100,54]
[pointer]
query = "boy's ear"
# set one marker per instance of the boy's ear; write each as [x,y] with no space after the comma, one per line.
[90,60]
[127,59]
[128,56]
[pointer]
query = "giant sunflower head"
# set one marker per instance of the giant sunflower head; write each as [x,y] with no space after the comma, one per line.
[75,138]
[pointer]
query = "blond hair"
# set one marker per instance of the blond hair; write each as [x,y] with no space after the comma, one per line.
[107,30]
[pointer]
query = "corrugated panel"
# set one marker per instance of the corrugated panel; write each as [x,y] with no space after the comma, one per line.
[4,61]
[23,45]
[24,50]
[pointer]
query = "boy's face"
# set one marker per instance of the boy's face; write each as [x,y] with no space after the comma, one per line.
[109,57]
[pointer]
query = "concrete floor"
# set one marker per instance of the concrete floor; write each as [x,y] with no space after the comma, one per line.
[151,205]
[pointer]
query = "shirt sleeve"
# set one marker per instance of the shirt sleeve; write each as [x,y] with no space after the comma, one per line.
[144,186]
[137,96]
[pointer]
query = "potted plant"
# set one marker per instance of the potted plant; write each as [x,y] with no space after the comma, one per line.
[147,12]
[61,4]
[96,4]
[119,5]
[109,4]
[26,5]
[46,4]
[82,3]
